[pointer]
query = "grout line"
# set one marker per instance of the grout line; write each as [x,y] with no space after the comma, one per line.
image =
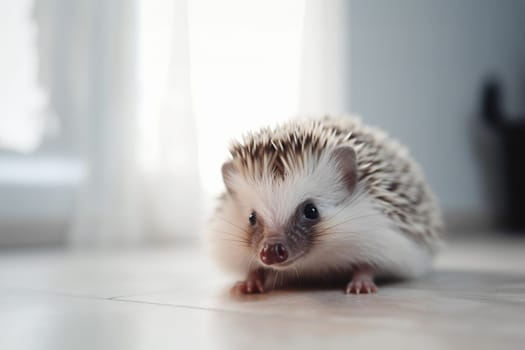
[140,294]
[191,307]
[264,315]
[175,306]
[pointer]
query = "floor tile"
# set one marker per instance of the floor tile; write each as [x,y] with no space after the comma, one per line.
[40,321]
[98,274]
[176,298]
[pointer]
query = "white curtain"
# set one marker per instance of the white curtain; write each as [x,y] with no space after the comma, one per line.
[245,71]
[108,206]
[168,148]
[325,73]
[142,182]
[156,92]
[25,115]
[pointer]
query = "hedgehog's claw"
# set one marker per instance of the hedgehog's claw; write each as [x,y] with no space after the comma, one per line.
[362,282]
[358,287]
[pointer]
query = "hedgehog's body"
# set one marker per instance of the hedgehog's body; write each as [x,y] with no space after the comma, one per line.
[326,197]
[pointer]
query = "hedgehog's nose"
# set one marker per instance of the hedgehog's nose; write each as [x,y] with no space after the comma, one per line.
[274,253]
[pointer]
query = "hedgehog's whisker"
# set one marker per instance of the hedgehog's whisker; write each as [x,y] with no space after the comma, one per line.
[343,207]
[251,262]
[297,273]
[350,219]
[317,239]
[330,233]
[226,233]
[234,225]
[353,218]
[276,273]
[346,206]
[232,235]
[244,244]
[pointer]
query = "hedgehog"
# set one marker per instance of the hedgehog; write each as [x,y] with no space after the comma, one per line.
[322,199]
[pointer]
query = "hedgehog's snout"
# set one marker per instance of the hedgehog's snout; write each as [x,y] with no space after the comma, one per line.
[274,253]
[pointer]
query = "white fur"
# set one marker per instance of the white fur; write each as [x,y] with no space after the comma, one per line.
[357,231]
[364,235]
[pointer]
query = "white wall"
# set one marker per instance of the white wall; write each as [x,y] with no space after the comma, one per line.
[416,70]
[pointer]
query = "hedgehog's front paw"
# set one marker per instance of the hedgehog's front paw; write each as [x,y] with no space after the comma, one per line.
[254,283]
[248,287]
[362,282]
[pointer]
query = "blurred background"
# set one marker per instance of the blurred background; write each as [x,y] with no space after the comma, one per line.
[117,114]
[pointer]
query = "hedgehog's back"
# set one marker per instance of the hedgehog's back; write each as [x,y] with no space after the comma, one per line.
[393,178]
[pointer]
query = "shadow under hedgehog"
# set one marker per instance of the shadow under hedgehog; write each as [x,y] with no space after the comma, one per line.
[317,198]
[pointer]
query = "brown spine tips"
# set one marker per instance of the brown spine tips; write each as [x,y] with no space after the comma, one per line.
[228,171]
[345,158]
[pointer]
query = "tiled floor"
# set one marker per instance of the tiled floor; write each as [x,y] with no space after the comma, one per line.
[175,299]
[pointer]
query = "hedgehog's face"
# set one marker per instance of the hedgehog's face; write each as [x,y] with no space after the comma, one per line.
[278,219]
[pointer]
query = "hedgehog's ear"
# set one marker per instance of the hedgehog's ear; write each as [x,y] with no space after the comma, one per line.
[228,171]
[345,158]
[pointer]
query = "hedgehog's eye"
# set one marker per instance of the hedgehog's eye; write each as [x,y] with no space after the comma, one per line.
[252,218]
[310,212]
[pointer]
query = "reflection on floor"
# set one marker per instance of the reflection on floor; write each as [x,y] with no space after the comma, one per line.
[175,299]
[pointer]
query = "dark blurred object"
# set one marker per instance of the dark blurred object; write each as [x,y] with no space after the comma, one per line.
[512,133]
